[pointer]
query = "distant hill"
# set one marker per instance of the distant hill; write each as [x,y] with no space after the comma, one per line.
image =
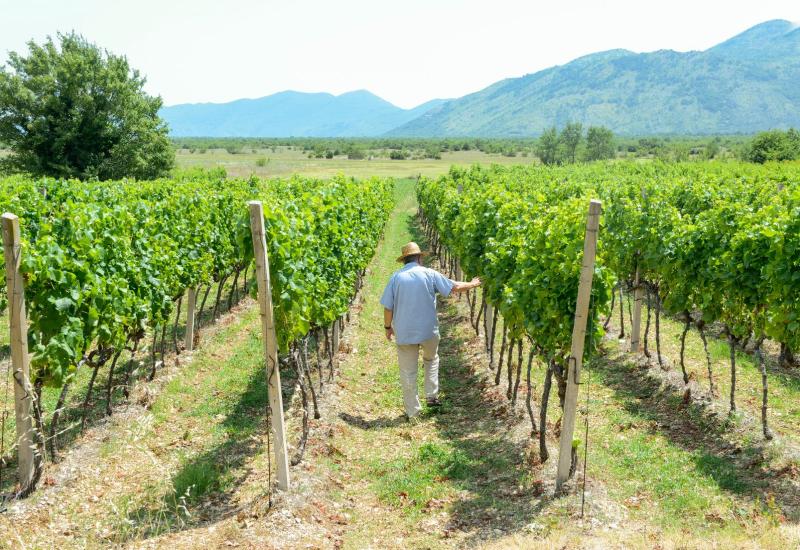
[748,83]
[298,114]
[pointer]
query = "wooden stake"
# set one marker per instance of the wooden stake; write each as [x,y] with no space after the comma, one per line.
[636,328]
[20,361]
[188,341]
[578,336]
[488,318]
[336,336]
[270,341]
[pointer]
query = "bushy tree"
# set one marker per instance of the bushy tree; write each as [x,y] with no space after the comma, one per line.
[547,148]
[74,110]
[571,137]
[398,155]
[712,149]
[599,143]
[774,145]
[355,153]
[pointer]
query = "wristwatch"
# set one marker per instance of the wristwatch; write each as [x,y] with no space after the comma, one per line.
[387,328]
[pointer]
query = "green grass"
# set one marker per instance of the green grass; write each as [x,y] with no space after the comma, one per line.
[412,483]
[216,408]
[784,384]
[74,413]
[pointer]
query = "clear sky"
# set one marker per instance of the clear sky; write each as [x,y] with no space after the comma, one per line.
[406,51]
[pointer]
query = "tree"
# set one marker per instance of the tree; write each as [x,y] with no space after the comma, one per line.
[80,112]
[547,148]
[599,143]
[571,137]
[712,149]
[774,145]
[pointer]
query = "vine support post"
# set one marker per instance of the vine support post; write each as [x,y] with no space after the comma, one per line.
[20,360]
[488,319]
[188,341]
[636,328]
[578,337]
[270,341]
[336,336]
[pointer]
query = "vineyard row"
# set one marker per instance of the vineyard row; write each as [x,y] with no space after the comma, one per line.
[107,266]
[704,245]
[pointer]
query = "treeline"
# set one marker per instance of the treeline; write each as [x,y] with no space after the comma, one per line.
[571,145]
[573,142]
[360,147]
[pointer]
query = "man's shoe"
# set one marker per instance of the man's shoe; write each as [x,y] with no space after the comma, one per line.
[434,402]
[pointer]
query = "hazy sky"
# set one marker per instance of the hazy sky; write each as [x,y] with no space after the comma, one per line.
[406,51]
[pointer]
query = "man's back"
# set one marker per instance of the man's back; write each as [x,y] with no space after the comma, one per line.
[411,294]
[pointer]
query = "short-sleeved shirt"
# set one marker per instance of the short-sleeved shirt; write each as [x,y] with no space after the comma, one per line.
[411,295]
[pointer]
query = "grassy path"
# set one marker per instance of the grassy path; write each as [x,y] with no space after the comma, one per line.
[186,464]
[467,476]
[452,478]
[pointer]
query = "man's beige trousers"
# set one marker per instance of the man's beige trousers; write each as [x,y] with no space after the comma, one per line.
[408,358]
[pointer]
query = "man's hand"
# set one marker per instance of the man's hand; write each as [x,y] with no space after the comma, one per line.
[389,334]
[462,286]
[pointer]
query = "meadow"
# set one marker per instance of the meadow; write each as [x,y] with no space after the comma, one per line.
[286,160]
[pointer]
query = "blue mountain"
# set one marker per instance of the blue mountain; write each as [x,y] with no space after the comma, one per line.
[298,114]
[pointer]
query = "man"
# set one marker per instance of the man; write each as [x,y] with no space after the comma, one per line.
[409,314]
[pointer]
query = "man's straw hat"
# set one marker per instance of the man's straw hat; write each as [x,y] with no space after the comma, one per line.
[411,249]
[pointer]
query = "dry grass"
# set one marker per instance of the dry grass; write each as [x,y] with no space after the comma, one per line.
[285,161]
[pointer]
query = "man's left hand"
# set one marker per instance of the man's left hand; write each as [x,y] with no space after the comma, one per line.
[389,334]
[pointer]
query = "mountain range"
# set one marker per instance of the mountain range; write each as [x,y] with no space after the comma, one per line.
[748,83]
[294,114]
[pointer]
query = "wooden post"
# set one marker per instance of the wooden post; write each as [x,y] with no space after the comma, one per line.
[336,335]
[20,361]
[270,341]
[488,318]
[578,336]
[636,327]
[188,341]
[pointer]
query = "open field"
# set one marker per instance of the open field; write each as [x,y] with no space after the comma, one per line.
[285,162]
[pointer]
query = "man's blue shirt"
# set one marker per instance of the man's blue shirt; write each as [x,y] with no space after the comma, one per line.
[411,295]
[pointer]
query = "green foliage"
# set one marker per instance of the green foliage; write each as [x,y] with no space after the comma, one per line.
[522,233]
[571,138]
[105,260]
[557,148]
[398,155]
[75,111]
[599,143]
[433,152]
[719,239]
[356,153]
[548,146]
[774,145]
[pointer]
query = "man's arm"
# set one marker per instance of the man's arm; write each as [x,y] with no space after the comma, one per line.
[387,323]
[463,286]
